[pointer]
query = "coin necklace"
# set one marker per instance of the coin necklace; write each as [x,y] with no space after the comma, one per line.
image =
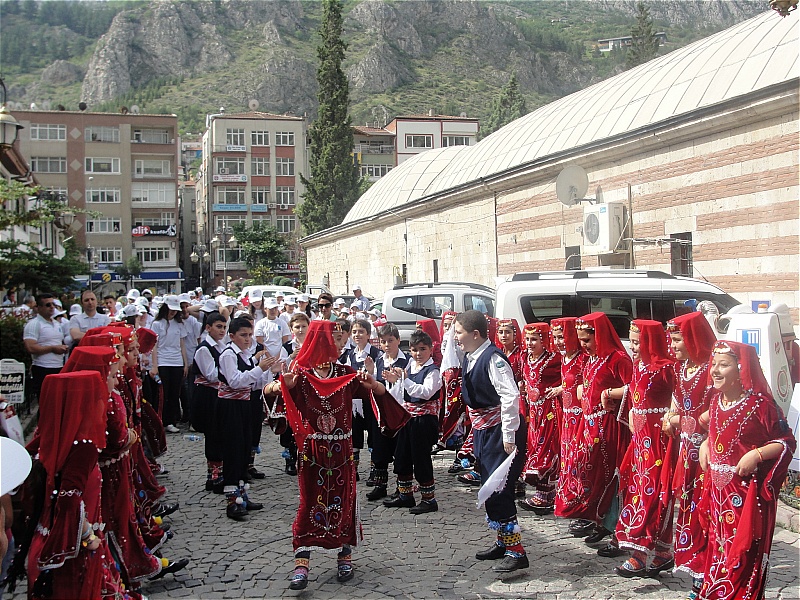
[326,422]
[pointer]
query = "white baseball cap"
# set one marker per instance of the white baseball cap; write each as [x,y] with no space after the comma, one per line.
[356,287]
[172,302]
[255,294]
[147,292]
[199,290]
[192,294]
[302,298]
[133,294]
[133,310]
[220,288]
[184,298]
[345,310]
[271,303]
[240,313]
[279,294]
[226,301]
[75,309]
[291,301]
[210,306]
[339,302]
[58,312]
[142,301]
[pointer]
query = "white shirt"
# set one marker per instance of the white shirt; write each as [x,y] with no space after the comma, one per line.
[194,329]
[168,348]
[503,381]
[205,362]
[425,390]
[362,303]
[85,323]
[229,368]
[272,330]
[45,333]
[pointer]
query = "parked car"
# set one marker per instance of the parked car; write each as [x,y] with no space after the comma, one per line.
[404,304]
[623,294]
[270,290]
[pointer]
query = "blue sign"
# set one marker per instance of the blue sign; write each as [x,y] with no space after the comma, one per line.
[751,337]
[754,304]
[229,207]
[258,208]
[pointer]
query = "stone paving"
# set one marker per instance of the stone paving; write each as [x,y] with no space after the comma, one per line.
[402,555]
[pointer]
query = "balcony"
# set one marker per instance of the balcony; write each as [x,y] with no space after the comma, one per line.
[374,149]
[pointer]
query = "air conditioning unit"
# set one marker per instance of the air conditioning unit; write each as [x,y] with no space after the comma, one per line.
[222,171]
[271,205]
[603,226]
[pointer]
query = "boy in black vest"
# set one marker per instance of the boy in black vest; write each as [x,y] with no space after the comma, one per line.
[420,384]
[492,398]
[205,402]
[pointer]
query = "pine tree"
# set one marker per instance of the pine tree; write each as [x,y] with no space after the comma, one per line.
[644,46]
[506,107]
[334,183]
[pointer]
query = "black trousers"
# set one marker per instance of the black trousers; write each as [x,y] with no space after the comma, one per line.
[172,380]
[206,419]
[490,454]
[37,377]
[383,447]
[412,456]
[256,418]
[237,433]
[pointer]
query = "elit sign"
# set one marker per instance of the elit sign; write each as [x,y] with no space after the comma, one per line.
[145,230]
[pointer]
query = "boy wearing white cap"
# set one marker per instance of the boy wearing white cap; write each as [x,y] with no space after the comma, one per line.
[272,331]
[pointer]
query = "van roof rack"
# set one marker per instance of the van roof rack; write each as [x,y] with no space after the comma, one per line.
[431,284]
[583,274]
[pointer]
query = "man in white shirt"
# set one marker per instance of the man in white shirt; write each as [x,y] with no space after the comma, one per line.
[88,319]
[44,339]
[361,300]
[272,331]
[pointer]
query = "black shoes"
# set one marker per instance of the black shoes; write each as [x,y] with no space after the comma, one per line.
[539,510]
[255,473]
[667,565]
[291,467]
[424,507]
[344,573]
[172,567]
[494,553]
[581,527]
[455,467]
[610,551]
[511,563]
[298,583]
[376,493]
[400,502]
[599,534]
[166,509]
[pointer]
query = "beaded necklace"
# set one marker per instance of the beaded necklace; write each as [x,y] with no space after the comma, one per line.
[739,407]
[326,422]
[690,374]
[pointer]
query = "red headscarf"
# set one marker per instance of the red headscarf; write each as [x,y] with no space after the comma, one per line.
[101,338]
[605,338]
[566,325]
[445,315]
[491,325]
[697,335]
[517,333]
[91,358]
[71,407]
[429,327]
[318,348]
[543,329]
[750,372]
[127,332]
[147,339]
[653,350]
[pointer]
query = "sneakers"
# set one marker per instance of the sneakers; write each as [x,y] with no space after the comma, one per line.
[171,429]
[511,563]
[426,506]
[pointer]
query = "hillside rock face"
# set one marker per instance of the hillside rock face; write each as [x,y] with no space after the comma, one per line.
[62,72]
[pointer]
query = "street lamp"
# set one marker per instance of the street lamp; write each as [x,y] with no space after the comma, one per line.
[91,255]
[198,255]
[9,127]
[224,238]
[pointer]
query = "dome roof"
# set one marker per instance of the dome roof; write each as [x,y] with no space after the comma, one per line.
[747,57]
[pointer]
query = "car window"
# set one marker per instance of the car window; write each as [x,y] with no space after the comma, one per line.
[619,311]
[433,306]
[405,303]
[484,304]
[537,309]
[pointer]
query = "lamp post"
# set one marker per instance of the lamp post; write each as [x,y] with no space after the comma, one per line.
[9,127]
[224,238]
[198,255]
[91,255]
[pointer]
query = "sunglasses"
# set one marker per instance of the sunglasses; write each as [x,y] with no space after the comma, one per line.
[47,305]
[324,304]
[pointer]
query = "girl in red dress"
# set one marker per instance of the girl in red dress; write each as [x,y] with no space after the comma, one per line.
[645,519]
[691,340]
[745,457]
[541,373]
[573,358]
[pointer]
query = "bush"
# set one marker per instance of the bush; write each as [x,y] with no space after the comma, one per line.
[11,344]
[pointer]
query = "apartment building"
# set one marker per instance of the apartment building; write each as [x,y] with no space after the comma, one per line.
[374,151]
[124,167]
[417,133]
[250,173]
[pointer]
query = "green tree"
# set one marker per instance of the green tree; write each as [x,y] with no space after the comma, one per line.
[261,247]
[506,107]
[38,270]
[644,46]
[334,183]
[129,270]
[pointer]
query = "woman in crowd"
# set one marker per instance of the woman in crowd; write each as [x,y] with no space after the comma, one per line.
[169,360]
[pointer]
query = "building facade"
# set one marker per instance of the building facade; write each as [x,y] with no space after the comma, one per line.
[374,151]
[417,133]
[250,173]
[125,168]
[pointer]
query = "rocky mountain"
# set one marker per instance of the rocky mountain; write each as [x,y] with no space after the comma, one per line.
[191,57]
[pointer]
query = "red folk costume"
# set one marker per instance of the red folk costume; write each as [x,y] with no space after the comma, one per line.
[691,396]
[544,417]
[569,485]
[136,562]
[603,441]
[72,422]
[454,410]
[741,511]
[153,434]
[429,327]
[516,356]
[645,518]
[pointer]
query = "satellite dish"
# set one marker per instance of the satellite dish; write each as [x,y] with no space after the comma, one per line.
[571,185]
[82,106]
[135,109]
[33,105]
[253,104]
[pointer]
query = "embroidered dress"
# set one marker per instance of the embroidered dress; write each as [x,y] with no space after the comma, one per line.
[569,487]
[542,464]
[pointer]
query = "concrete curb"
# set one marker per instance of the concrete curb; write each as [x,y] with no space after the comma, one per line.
[788,517]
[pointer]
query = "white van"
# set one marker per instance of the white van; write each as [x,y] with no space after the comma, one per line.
[270,290]
[623,294]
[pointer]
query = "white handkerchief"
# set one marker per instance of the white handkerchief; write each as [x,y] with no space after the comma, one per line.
[496,481]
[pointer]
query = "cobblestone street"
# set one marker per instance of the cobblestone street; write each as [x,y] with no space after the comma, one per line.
[402,556]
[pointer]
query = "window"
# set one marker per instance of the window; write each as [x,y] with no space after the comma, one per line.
[229,255]
[101,134]
[284,195]
[108,255]
[285,223]
[259,165]
[166,218]
[234,137]
[430,306]
[48,164]
[104,225]
[681,254]
[227,221]
[230,195]
[260,195]
[572,258]
[102,165]
[193,227]
[152,168]
[375,170]
[455,140]
[483,304]
[291,256]
[419,141]
[263,219]
[103,195]
[153,193]
[151,136]
[284,166]
[259,138]
[541,309]
[45,131]
[284,138]
[154,254]
[230,166]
